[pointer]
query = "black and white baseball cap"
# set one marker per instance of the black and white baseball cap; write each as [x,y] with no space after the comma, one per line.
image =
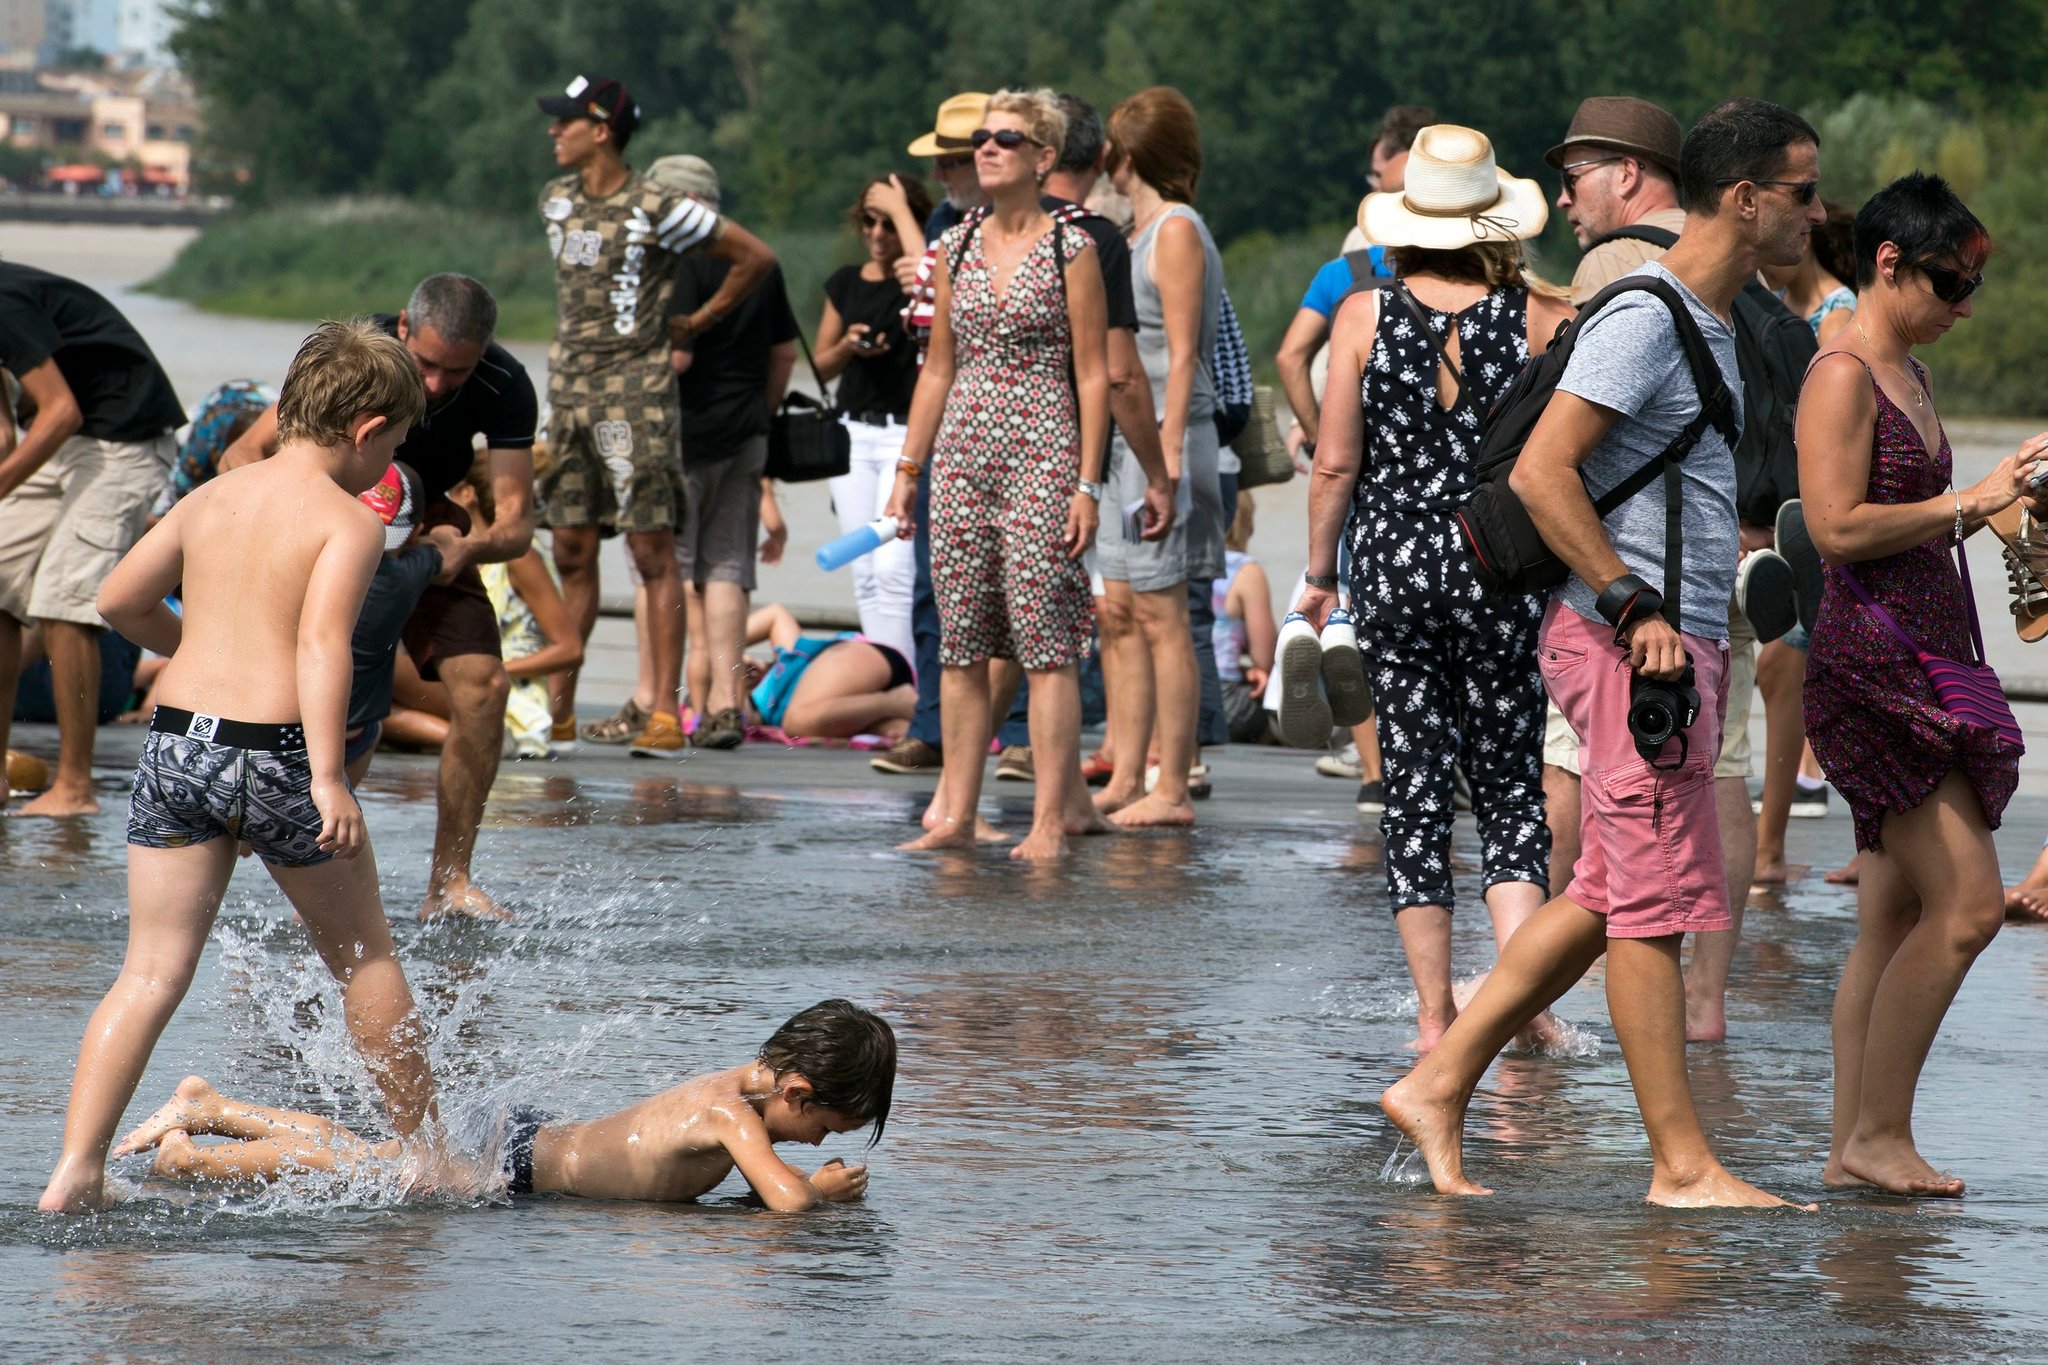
[598,98]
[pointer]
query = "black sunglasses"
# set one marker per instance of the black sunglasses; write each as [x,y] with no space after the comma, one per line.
[1574,171]
[1951,286]
[1009,139]
[1805,191]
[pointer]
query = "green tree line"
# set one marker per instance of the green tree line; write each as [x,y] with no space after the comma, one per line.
[798,101]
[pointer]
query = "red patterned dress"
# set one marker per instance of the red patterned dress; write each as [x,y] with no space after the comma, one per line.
[1005,465]
[1871,714]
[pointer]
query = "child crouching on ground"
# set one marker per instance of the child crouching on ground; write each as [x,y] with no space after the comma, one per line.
[245,746]
[830,1069]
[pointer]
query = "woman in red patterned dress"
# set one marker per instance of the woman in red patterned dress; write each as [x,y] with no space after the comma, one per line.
[1013,410]
[1926,788]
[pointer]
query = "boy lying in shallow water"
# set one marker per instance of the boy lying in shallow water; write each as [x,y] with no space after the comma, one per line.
[829,1069]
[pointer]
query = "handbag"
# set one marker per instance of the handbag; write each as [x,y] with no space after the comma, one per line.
[1261,449]
[806,442]
[1969,692]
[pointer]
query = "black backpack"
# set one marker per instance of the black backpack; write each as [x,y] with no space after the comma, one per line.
[1509,553]
[1773,348]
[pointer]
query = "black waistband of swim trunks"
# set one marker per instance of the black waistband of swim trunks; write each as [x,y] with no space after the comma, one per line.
[238,734]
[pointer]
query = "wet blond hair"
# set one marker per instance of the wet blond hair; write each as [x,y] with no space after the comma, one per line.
[1040,109]
[343,371]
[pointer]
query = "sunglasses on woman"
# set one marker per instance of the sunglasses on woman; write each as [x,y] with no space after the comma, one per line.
[1009,139]
[870,222]
[1952,286]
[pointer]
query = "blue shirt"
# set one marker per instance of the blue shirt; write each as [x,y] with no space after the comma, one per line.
[1334,281]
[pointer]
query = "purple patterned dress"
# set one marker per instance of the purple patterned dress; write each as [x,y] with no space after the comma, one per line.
[1871,714]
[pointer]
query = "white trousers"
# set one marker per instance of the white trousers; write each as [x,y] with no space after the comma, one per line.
[882,581]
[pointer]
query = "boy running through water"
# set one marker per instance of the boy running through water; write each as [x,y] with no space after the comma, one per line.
[246,744]
[830,1069]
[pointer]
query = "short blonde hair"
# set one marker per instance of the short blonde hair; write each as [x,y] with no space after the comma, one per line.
[343,371]
[1040,110]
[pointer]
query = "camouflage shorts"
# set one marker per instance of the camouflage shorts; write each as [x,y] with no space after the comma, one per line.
[614,463]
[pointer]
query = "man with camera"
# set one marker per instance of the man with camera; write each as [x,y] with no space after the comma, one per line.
[1642,678]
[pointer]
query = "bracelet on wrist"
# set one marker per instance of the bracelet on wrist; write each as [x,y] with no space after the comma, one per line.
[910,467]
[1326,581]
[1626,600]
[1089,487]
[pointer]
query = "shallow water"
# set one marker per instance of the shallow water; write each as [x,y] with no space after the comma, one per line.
[1136,1111]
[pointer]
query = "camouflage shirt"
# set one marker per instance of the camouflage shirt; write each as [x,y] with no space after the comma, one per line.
[615,263]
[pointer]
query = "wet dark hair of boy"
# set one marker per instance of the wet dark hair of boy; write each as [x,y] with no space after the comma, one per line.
[848,1054]
[1738,139]
[1926,220]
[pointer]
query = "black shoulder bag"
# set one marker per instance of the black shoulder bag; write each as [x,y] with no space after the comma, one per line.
[805,441]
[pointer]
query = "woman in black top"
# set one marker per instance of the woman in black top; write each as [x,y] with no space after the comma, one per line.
[862,344]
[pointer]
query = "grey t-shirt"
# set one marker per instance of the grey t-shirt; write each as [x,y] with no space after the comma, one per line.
[1629,359]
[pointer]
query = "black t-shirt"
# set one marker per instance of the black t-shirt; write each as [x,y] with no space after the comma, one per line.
[496,402]
[874,383]
[1113,254]
[121,390]
[725,390]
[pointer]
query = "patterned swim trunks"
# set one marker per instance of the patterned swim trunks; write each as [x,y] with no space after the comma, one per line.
[190,787]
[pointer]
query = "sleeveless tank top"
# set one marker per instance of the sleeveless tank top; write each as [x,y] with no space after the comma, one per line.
[1152,318]
[1229,636]
[1418,456]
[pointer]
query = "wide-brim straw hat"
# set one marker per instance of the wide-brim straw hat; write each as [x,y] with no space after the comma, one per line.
[1452,196]
[953,130]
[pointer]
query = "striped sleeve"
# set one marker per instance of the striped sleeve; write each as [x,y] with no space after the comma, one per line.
[687,225]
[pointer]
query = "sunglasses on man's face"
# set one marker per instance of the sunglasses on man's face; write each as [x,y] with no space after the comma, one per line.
[1805,191]
[1009,139]
[952,163]
[1952,286]
[1574,171]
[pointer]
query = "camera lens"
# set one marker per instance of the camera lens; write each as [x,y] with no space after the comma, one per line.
[1651,719]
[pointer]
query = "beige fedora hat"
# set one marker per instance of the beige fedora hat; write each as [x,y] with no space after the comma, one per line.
[959,116]
[1453,195]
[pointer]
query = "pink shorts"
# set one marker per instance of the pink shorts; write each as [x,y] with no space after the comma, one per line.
[1650,841]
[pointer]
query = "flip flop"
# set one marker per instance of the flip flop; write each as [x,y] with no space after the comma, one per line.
[2024,544]
[1344,671]
[1304,710]
[1796,545]
[1764,590]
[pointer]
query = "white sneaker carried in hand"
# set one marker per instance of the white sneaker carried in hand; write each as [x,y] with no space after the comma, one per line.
[1344,671]
[1304,711]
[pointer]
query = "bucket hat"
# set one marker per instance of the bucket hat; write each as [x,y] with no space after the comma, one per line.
[1453,195]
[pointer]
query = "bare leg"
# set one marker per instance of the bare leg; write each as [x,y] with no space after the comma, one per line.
[654,554]
[2029,900]
[1706,978]
[344,916]
[1944,852]
[477,688]
[74,652]
[725,629]
[1125,658]
[196,1108]
[844,692]
[173,895]
[10,679]
[1781,678]
[1366,735]
[1646,1000]
[1175,712]
[180,1158]
[1426,938]
[1545,958]
[1511,905]
[576,562]
[1055,717]
[1887,908]
[697,662]
[964,717]
[1561,809]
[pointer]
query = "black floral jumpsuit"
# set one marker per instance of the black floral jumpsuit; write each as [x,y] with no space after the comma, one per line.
[1454,671]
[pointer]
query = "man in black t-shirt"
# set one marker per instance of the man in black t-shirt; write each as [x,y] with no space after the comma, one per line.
[474,388]
[731,378]
[76,487]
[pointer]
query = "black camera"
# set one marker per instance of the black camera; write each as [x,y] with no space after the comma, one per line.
[1660,710]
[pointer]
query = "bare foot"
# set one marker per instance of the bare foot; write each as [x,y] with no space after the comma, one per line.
[2028,901]
[1706,1020]
[190,1108]
[1896,1166]
[1846,876]
[1714,1188]
[461,900]
[1083,819]
[1429,1031]
[75,1191]
[1771,872]
[64,799]
[1833,1177]
[1437,1128]
[1546,1034]
[1040,846]
[1155,812]
[946,836]
[1114,798]
[176,1155]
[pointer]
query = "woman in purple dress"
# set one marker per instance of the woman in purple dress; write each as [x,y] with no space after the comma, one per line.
[1926,789]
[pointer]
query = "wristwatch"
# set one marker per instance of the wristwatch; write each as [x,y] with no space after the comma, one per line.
[1326,581]
[1090,487]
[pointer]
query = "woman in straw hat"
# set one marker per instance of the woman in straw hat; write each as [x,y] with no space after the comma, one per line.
[1414,366]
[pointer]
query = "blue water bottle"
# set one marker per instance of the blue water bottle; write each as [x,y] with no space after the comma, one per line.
[865,540]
